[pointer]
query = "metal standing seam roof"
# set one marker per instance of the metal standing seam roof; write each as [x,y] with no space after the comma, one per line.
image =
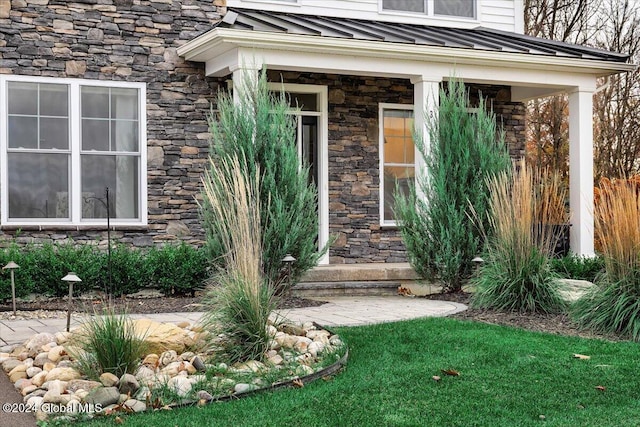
[479,38]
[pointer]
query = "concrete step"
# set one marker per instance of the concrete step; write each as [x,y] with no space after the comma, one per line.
[323,289]
[372,272]
[375,279]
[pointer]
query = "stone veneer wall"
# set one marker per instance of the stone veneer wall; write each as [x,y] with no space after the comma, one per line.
[127,40]
[354,159]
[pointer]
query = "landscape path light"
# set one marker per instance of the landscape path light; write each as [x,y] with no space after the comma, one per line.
[12,266]
[288,261]
[70,278]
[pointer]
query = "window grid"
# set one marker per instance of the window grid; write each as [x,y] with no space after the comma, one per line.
[74,152]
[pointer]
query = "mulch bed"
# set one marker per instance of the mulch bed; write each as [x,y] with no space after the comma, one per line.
[139,305]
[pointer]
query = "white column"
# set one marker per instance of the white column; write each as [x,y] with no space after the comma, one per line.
[426,99]
[244,77]
[581,170]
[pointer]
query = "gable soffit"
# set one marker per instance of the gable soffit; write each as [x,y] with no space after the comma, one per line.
[306,34]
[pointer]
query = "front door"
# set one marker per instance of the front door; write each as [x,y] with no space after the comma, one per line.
[309,107]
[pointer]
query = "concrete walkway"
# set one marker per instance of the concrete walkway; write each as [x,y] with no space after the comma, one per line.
[339,311]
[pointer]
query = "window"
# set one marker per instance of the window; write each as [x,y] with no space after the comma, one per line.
[454,8]
[397,156]
[64,142]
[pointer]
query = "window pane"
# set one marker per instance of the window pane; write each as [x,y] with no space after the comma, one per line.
[120,174]
[38,185]
[398,141]
[303,101]
[23,132]
[95,135]
[95,102]
[124,104]
[124,135]
[401,175]
[54,133]
[54,100]
[23,98]
[464,8]
[404,5]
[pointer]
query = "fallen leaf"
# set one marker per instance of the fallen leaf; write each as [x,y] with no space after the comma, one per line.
[435,378]
[118,420]
[601,388]
[581,356]
[451,372]
[297,383]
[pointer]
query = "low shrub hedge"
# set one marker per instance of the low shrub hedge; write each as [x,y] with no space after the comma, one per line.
[174,269]
[577,267]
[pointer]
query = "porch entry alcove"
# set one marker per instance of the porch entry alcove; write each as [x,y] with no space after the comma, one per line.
[363,71]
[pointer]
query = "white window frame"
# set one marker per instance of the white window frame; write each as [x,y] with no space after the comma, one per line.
[381,109]
[75,184]
[323,152]
[430,11]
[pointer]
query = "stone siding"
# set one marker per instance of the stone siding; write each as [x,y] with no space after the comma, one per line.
[127,40]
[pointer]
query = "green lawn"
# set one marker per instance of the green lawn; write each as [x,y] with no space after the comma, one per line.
[508,377]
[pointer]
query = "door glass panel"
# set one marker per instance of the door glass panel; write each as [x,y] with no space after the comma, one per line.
[310,146]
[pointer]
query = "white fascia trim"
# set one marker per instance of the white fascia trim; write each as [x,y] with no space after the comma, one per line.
[219,40]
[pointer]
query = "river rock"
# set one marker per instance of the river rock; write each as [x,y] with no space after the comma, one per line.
[49,366]
[29,389]
[152,360]
[103,396]
[128,384]
[198,364]
[63,374]
[108,379]
[74,385]
[250,366]
[181,385]
[39,378]
[35,343]
[35,402]
[276,359]
[168,357]
[17,375]
[33,371]
[56,353]
[9,364]
[19,368]
[41,359]
[135,405]
[204,395]
[315,348]
[293,330]
[244,388]
[145,375]
[62,337]
[302,344]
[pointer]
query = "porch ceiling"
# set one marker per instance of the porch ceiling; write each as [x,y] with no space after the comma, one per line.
[284,41]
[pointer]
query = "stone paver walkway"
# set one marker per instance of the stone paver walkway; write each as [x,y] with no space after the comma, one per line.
[339,311]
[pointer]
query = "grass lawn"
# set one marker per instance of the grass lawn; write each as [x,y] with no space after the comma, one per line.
[508,377]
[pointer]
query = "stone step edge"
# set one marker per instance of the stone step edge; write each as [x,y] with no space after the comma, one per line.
[348,285]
